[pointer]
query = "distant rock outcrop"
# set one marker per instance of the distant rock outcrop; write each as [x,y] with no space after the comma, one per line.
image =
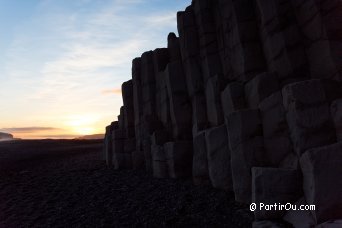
[5,136]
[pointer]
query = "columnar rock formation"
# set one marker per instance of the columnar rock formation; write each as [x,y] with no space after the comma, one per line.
[248,98]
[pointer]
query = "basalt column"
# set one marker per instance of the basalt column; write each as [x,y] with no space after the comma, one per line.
[246,99]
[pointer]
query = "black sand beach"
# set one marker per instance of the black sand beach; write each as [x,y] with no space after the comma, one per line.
[64,183]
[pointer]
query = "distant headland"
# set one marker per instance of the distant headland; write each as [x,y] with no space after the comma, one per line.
[6,136]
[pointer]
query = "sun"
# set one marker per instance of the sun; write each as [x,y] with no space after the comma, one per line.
[85,130]
[81,124]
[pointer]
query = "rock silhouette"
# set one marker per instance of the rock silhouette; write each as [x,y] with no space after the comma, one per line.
[248,98]
[5,136]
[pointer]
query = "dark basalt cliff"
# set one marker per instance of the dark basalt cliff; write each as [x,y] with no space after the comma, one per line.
[248,98]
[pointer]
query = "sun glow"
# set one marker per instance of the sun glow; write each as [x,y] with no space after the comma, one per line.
[85,131]
[82,124]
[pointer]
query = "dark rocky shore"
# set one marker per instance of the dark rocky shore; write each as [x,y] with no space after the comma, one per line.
[66,184]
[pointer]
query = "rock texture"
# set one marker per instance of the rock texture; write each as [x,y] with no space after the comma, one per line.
[248,99]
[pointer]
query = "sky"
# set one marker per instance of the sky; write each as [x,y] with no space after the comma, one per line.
[62,62]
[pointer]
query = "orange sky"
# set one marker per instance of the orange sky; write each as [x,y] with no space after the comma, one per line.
[70,127]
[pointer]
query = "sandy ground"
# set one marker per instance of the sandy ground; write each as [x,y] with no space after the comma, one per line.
[65,184]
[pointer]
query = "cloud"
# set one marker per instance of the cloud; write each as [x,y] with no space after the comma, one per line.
[28,129]
[60,136]
[166,19]
[116,91]
[95,46]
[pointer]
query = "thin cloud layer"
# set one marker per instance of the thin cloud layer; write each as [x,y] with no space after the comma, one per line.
[27,129]
[112,91]
[63,136]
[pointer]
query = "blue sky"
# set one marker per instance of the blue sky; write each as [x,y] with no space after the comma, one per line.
[62,62]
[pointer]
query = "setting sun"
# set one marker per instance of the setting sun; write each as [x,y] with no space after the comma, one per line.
[85,131]
[82,124]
